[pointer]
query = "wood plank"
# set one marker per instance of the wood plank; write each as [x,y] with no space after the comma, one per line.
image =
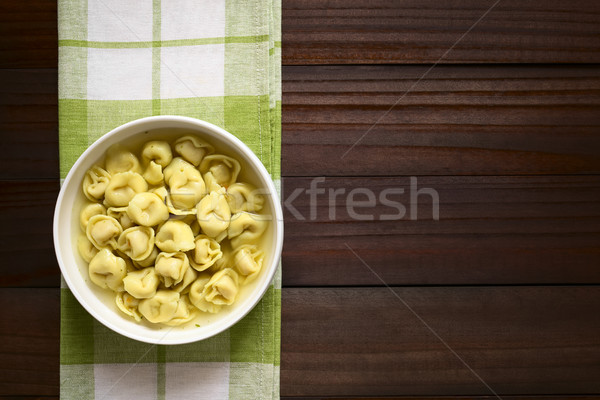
[26,244]
[29,345]
[457,121]
[29,123]
[365,342]
[504,397]
[491,230]
[422,31]
[479,120]
[29,397]
[535,397]
[28,34]
[562,397]
[381,31]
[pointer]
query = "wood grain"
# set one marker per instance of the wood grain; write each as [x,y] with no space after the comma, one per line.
[457,121]
[479,120]
[29,123]
[369,32]
[504,397]
[491,230]
[26,244]
[562,397]
[534,397]
[366,342]
[513,152]
[423,31]
[28,34]
[29,342]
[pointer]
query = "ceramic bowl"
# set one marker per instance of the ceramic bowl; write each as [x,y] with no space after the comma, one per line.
[100,302]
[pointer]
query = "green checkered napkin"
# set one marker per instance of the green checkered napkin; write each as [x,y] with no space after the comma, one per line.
[216,60]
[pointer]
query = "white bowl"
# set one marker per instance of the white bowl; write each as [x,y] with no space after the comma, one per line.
[100,302]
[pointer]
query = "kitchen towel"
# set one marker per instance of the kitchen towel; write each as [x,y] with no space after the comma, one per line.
[219,61]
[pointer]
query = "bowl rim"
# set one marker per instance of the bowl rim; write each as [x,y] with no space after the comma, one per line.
[239,146]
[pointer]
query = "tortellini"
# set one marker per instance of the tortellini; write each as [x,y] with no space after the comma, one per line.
[186,184]
[148,261]
[192,149]
[103,231]
[120,214]
[222,288]
[141,284]
[153,174]
[162,192]
[86,249]
[248,260]
[147,209]
[123,187]
[174,235]
[211,183]
[244,197]
[165,197]
[206,253]
[95,182]
[161,307]
[184,312]
[195,226]
[214,215]
[197,295]
[119,159]
[189,277]
[224,169]
[137,242]
[172,267]
[246,228]
[128,305]
[158,151]
[226,260]
[177,165]
[88,212]
[171,229]
[178,212]
[107,270]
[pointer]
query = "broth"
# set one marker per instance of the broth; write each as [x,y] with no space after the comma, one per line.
[247,174]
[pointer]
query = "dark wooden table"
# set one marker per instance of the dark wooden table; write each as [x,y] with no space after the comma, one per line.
[496,110]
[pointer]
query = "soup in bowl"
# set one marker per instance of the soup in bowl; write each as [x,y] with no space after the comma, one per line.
[168,230]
